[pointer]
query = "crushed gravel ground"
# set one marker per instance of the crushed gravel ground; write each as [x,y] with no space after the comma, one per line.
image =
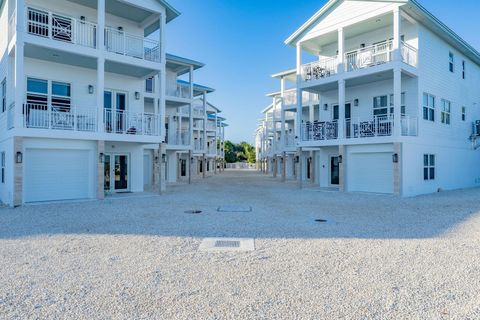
[377,257]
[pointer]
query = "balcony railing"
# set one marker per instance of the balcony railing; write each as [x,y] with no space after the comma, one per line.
[198,112]
[120,42]
[211,126]
[41,116]
[197,145]
[290,98]
[376,126]
[320,69]
[178,137]
[409,126]
[124,122]
[369,56]
[409,54]
[61,27]
[181,90]
[289,140]
[319,130]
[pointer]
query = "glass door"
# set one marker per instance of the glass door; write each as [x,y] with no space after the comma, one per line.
[121,173]
[334,171]
[108,115]
[107,173]
[120,108]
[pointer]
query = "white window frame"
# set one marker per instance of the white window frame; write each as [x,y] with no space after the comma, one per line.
[4,95]
[464,113]
[446,108]
[451,62]
[3,161]
[430,116]
[152,79]
[68,99]
[429,169]
[464,67]
[403,105]
[380,107]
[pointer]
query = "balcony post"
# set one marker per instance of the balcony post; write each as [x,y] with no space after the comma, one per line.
[190,109]
[101,25]
[341,51]
[397,101]
[298,121]
[19,84]
[274,124]
[100,95]
[341,109]
[205,121]
[397,34]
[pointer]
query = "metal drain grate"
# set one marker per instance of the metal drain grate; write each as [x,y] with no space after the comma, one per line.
[193,211]
[227,244]
[320,220]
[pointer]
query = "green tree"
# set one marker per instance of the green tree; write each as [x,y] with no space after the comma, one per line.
[242,152]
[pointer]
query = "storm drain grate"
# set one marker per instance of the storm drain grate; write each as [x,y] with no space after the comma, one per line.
[227,244]
[320,220]
[193,211]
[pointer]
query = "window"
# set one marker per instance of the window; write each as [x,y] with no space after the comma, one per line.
[445,113]
[4,95]
[380,106]
[3,167]
[428,167]
[464,113]
[428,107]
[402,106]
[150,85]
[451,62]
[463,69]
[37,92]
[61,93]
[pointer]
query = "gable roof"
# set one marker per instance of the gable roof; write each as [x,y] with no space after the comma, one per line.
[414,8]
[172,13]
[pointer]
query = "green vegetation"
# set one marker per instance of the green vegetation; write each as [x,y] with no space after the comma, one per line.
[241,152]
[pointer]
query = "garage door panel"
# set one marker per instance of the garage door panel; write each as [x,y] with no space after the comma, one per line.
[56,174]
[370,172]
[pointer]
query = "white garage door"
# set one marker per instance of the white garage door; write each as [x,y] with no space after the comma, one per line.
[56,174]
[370,172]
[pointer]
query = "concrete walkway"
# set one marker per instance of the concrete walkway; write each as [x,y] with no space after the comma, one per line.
[377,257]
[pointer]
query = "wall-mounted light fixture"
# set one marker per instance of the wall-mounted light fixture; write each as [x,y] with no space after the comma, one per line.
[164,158]
[82,18]
[19,157]
[325,106]
[340,159]
[120,28]
[356,102]
[395,158]
[101,157]
[137,95]
[297,159]
[90,89]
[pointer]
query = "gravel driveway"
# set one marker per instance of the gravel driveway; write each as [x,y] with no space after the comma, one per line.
[377,257]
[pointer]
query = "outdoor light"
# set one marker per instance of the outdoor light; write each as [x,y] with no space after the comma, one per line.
[82,18]
[395,158]
[297,159]
[101,157]
[120,28]
[340,159]
[355,102]
[90,89]
[164,158]
[325,107]
[19,157]
[137,95]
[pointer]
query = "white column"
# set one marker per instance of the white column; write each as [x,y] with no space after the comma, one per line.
[162,77]
[19,66]
[100,64]
[191,107]
[341,51]
[205,120]
[396,34]
[100,24]
[274,122]
[282,112]
[341,109]
[298,121]
[397,101]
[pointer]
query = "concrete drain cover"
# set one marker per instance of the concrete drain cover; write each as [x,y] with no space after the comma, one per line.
[227,244]
[321,220]
[234,208]
[193,211]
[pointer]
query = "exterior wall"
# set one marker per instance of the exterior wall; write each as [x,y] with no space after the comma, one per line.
[323,160]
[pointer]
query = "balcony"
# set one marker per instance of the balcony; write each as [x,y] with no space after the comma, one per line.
[39,116]
[323,68]
[124,122]
[211,126]
[319,130]
[67,29]
[180,91]
[178,137]
[290,98]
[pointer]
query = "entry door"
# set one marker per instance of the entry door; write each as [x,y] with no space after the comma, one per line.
[115,105]
[334,171]
[309,168]
[116,172]
[120,108]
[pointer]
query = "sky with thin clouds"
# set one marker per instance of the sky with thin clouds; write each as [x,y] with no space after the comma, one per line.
[242,44]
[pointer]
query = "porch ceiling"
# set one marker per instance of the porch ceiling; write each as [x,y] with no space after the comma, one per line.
[128,70]
[119,9]
[57,56]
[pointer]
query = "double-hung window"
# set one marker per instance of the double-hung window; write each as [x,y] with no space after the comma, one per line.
[402,107]
[428,167]
[37,93]
[3,167]
[451,62]
[464,113]
[4,95]
[428,107]
[463,69]
[150,85]
[380,106]
[61,96]
[445,113]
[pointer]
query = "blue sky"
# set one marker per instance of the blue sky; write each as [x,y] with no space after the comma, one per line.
[241,42]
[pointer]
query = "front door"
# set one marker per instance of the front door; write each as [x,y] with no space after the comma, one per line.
[348,117]
[116,173]
[334,171]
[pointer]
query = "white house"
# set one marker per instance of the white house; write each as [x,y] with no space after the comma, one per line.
[388,102]
[84,112]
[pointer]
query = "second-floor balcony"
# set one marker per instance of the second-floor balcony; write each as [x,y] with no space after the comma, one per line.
[178,137]
[362,58]
[61,27]
[290,99]
[180,90]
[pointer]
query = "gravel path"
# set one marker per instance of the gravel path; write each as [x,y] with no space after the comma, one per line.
[377,257]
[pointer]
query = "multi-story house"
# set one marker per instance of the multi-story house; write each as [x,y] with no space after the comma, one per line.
[85,98]
[397,101]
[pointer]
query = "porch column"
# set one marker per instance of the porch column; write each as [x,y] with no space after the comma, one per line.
[100,169]
[397,98]
[284,167]
[275,165]
[341,109]
[397,169]
[190,109]
[204,147]
[20,92]
[300,168]
[397,21]
[190,167]
[100,64]
[282,113]
[298,124]
[17,173]
[342,168]
[162,153]
[341,51]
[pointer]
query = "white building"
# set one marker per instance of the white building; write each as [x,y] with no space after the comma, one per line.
[80,120]
[407,87]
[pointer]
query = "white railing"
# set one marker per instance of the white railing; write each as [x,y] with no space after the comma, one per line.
[323,68]
[211,126]
[59,118]
[369,56]
[12,25]
[178,137]
[409,54]
[120,42]
[185,110]
[11,116]
[289,140]
[409,126]
[197,145]
[197,125]
[61,27]
[376,126]
[124,122]
[319,130]
[198,112]
[290,98]
[212,149]
[181,90]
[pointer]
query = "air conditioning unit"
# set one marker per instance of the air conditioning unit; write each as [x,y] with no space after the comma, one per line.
[476,128]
